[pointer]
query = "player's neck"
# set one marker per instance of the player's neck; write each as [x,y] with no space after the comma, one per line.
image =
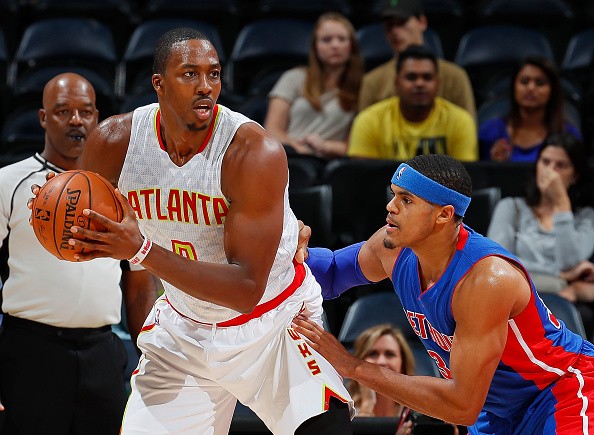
[435,256]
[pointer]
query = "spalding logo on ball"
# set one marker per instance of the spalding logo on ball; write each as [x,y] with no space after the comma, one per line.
[60,203]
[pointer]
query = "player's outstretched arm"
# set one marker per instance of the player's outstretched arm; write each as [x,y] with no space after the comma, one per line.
[491,294]
[358,264]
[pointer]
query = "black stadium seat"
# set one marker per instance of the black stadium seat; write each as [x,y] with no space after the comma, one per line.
[376,50]
[265,47]
[490,53]
[135,68]
[384,307]
[71,42]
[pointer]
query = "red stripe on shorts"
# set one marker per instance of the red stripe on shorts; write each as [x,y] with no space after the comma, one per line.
[263,308]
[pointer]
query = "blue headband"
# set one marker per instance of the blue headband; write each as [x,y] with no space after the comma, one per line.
[424,187]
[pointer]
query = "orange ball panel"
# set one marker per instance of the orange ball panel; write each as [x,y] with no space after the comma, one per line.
[60,203]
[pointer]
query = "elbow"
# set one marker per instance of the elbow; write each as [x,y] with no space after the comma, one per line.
[251,296]
[465,416]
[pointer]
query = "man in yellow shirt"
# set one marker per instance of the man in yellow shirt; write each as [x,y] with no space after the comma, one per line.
[417,122]
[404,24]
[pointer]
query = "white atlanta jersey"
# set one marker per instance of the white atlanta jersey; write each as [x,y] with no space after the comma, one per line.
[183,208]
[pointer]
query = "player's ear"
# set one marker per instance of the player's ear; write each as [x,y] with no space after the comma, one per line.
[42,117]
[446,213]
[157,79]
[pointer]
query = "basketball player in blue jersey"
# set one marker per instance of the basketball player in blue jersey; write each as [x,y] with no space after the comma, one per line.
[508,365]
[208,213]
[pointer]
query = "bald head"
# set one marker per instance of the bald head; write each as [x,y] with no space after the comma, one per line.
[68,116]
[70,83]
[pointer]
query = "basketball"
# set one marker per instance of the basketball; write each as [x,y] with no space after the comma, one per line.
[60,203]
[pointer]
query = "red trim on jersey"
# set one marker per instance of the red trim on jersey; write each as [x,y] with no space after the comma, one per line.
[158,129]
[462,238]
[259,309]
[215,115]
[328,394]
[534,338]
[147,327]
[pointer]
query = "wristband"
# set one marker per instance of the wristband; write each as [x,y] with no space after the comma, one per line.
[142,252]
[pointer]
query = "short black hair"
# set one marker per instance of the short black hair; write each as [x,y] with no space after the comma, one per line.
[416,52]
[444,170]
[168,40]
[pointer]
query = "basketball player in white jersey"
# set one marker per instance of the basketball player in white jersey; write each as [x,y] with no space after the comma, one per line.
[209,214]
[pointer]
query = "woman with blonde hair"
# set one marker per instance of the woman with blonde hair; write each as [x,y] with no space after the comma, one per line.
[384,345]
[311,108]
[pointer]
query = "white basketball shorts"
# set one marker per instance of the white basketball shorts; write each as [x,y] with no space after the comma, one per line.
[191,374]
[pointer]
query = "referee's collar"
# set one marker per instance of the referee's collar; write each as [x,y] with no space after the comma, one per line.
[47,164]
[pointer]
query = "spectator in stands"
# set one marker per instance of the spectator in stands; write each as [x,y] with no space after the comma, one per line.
[417,121]
[551,229]
[61,366]
[311,108]
[404,23]
[536,111]
[384,345]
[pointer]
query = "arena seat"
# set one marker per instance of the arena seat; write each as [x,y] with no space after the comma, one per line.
[577,61]
[489,53]
[555,19]
[313,205]
[118,15]
[78,43]
[358,197]
[384,307]
[266,46]
[21,136]
[565,311]
[376,50]
[135,67]
[480,210]
[303,9]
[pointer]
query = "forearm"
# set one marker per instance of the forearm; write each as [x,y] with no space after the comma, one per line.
[336,271]
[140,291]
[228,285]
[436,397]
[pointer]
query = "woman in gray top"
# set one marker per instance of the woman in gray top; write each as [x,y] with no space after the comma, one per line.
[551,228]
[311,108]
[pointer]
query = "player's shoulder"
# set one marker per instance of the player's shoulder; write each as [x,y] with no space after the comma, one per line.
[114,130]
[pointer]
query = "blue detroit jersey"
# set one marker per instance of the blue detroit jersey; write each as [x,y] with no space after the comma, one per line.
[539,349]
